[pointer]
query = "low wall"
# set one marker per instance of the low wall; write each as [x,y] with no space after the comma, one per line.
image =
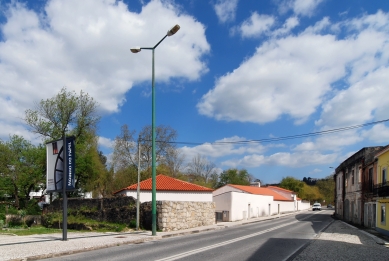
[177,215]
[171,215]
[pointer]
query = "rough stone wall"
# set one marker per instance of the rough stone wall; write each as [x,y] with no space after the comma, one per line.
[177,215]
[116,209]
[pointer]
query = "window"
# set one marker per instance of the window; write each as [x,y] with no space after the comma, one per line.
[384,176]
[371,179]
[360,175]
[345,180]
[339,183]
[383,214]
[352,177]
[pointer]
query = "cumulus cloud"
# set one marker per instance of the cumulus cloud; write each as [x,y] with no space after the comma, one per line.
[84,45]
[255,26]
[292,76]
[297,159]
[223,147]
[226,10]
[300,7]
[378,133]
[106,142]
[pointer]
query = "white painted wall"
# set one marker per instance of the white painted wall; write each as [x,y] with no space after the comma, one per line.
[285,207]
[171,195]
[303,205]
[243,205]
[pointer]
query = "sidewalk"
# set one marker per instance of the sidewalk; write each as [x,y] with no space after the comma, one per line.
[341,241]
[36,247]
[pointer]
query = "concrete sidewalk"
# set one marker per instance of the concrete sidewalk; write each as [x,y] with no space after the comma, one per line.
[36,247]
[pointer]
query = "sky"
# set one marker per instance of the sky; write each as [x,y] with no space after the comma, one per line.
[238,82]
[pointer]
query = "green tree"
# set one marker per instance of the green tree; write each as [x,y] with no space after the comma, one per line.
[327,188]
[292,184]
[310,193]
[22,168]
[65,111]
[234,176]
[74,115]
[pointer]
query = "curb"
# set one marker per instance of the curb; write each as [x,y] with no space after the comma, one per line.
[85,249]
[378,240]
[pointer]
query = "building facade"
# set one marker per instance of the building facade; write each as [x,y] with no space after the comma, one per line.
[381,190]
[349,187]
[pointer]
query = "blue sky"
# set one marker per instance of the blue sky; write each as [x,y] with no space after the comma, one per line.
[235,71]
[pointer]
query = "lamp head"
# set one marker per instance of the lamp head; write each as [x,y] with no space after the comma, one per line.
[136,49]
[173,30]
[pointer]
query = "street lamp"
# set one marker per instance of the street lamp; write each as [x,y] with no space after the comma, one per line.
[137,49]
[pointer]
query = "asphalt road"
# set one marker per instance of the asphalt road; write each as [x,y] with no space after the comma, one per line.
[277,239]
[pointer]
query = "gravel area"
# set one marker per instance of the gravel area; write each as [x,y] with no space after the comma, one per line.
[341,241]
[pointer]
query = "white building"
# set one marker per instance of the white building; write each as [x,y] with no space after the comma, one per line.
[244,202]
[170,189]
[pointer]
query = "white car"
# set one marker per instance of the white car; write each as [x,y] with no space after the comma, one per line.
[316,206]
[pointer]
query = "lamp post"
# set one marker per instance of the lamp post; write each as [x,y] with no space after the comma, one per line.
[171,32]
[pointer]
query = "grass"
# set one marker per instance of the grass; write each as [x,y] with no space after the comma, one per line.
[29,231]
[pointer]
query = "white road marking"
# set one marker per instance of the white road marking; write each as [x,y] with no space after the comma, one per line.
[199,250]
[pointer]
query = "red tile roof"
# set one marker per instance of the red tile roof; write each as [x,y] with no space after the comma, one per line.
[278,188]
[165,183]
[261,191]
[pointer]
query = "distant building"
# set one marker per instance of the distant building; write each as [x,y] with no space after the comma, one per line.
[168,188]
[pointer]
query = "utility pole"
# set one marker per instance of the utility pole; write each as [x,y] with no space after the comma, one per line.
[138,188]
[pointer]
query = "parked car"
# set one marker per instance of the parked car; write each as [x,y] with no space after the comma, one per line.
[330,206]
[316,206]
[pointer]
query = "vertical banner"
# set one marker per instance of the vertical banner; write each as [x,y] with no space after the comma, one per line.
[55,171]
[70,182]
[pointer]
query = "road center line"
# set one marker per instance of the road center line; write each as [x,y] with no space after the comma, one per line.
[199,250]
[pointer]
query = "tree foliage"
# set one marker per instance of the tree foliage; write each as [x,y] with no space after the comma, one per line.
[234,176]
[73,114]
[292,184]
[22,168]
[65,111]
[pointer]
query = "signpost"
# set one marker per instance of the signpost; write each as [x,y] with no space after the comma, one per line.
[61,172]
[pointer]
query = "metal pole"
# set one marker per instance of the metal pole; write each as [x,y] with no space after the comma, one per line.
[153,175]
[65,200]
[138,188]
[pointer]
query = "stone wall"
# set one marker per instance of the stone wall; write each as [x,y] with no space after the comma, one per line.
[171,215]
[117,209]
[177,215]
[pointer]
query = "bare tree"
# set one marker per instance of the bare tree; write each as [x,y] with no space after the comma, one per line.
[165,136]
[173,161]
[125,149]
[201,167]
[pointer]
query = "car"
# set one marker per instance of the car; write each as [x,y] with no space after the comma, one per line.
[316,206]
[329,206]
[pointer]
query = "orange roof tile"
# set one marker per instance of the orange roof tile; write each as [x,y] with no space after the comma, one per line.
[261,191]
[280,189]
[166,183]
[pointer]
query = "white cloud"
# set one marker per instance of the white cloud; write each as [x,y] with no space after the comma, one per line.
[106,142]
[84,45]
[294,75]
[226,10]
[289,24]
[378,133]
[330,142]
[222,148]
[256,25]
[300,7]
[294,160]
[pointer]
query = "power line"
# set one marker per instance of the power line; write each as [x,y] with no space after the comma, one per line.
[297,136]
